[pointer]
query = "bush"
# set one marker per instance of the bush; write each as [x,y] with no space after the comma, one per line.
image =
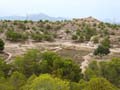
[84,35]
[60,67]
[28,64]
[17,80]
[47,82]
[105,42]
[22,26]
[99,84]
[15,36]
[109,70]
[1,30]
[48,37]
[101,50]
[95,39]
[74,37]
[67,31]
[37,37]
[1,45]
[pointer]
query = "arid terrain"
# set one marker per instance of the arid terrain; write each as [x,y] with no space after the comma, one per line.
[74,54]
[67,38]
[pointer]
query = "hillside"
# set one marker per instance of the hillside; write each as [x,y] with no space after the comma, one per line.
[78,54]
[76,30]
[88,32]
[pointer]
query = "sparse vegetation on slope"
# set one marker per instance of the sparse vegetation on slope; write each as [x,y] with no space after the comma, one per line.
[80,30]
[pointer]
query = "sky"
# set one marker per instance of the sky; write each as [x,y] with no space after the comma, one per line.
[104,9]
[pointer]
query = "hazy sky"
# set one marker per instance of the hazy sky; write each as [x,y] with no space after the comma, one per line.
[62,8]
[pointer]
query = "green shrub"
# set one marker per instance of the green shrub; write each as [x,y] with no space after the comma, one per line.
[15,36]
[1,45]
[37,37]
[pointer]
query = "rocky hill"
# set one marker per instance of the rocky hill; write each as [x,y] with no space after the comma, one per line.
[76,30]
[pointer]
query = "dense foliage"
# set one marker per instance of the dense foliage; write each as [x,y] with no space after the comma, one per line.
[46,82]
[103,47]
[49,71]
[1,45]
[84,35]
[15,36]
[109,70]
[99,84]
[35,62]
[101,50]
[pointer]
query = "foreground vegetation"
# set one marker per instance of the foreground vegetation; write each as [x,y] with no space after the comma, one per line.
[49,71]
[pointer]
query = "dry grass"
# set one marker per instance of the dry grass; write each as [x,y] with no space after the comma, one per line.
[76,55]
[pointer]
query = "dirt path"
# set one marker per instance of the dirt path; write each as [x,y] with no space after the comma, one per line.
[9,57]
[13,49]
[86,62]
[87,59]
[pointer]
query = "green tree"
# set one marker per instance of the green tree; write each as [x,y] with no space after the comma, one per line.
[89,32]
[101,50]
[106,42]
[4,68]
[28,64]
[17,80]
[95,39]
[92,71]
[99,84]
[1,45]
[60,67]
[48,37]
[75,86]
[47,82]
[78,36]
[5,85]
[109,70]
[74,37]
[37,37]
[15,36]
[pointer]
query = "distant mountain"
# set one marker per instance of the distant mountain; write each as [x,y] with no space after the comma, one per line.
[41,16]
[113,21]
[33,17]
[13,18]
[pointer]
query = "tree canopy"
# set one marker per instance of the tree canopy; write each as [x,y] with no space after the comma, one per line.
[1,45]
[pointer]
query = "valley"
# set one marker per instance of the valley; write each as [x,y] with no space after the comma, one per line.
[70,51]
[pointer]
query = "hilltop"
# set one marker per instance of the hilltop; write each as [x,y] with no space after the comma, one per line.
[76,30]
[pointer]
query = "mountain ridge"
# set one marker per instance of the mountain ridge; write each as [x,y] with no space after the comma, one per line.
[42,16]
[33,17]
